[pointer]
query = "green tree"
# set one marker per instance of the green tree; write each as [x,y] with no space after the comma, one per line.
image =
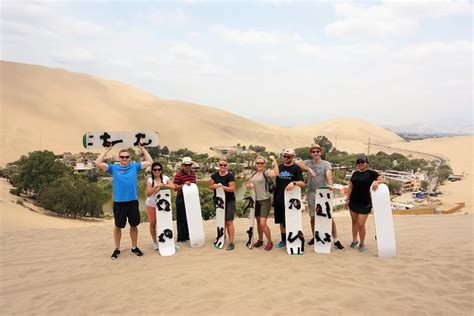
[394,186]
[38,170]
[324,142]
[72,196]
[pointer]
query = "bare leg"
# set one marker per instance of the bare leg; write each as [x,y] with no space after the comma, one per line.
[355,228]
[230,230]
[117,236]
[265,228]
[334,230]
[259,229]
[134,235]
[361,227]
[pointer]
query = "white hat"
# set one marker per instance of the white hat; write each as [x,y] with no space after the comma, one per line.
[288,151]
[187,161]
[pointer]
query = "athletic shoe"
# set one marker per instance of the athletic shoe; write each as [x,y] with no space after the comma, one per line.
[354,244]
[281,244]
[258,244]
[230,246]
[137,251]
[339,246]
[311,242]
[115,254]
[362,248]
[156,246]
[177,247]
[269,246]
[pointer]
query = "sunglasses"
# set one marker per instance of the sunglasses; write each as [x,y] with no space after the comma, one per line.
[222,164]
[287,157]
[260,163]
[358,162]
[187,165]
[315,152]
[156,169]
[124,157]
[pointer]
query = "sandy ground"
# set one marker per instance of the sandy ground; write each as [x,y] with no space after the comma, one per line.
[57,267]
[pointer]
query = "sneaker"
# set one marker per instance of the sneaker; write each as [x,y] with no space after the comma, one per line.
[281,244]
[362,248]
[115,254]
[177,247]
[258,244]
[269,246]
[339,246]
[311,242]
[230,246]
[156,246]
[137,251]
[354,244]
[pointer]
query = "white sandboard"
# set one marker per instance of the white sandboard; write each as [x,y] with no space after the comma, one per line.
[323,221]
[220,218]
[128,139]
[250,206]
[164,223]
[193,215]
[383,222]
[293,221]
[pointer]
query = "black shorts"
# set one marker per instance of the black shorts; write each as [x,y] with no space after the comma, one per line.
[279,213]
[124,210]
[229,210]
[360,208]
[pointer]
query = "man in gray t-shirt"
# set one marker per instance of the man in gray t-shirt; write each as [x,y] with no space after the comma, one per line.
[321,175]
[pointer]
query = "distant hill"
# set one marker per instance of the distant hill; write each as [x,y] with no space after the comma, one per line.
[45,108]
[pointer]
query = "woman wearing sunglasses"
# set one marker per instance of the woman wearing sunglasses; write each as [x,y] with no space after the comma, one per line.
[259,182]
[157,181]
[226,180]
[358,198]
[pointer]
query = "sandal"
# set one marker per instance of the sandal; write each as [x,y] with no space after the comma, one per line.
[269,246]
[259,243]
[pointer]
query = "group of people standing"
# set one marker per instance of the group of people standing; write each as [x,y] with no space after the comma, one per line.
[287,174]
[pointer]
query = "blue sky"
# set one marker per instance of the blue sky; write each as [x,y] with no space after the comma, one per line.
[287,63]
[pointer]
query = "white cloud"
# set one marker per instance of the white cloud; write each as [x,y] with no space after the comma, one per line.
[391,18]
[248,37]
[74,56]
[166,17]
[270,58]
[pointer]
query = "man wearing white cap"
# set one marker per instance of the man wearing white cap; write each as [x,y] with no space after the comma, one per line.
[289,176]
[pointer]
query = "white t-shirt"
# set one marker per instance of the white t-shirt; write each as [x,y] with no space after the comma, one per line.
[150,201]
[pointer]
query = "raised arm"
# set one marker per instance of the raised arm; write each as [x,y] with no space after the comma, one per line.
[275,171]
[148,160]
[304,167]
[99,162]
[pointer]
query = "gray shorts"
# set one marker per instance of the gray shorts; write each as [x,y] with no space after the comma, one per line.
[229,210]
[262,208]
[311,201]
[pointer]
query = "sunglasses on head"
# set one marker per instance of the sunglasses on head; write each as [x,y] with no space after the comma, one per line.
[156,169]
[315,152]
[358,162]
[287,157]
[124,157]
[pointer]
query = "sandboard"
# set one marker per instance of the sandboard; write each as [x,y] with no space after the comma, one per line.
[220,218]
[103,139]
[383,222]
[323,221]
[293,221]
[193,215]
[164,223]
[250,207]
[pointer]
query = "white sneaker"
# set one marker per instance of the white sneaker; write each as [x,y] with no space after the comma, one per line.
[156,246]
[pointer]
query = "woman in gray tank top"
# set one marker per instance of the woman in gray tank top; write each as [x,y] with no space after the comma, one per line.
[260,183]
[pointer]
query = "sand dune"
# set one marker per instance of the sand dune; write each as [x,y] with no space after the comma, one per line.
[44,108]
[56,271]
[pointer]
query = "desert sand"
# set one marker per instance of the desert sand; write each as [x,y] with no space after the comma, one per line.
[57,266]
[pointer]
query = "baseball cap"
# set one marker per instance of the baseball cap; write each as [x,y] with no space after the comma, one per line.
[187,161]
[288,151]
[362,157]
